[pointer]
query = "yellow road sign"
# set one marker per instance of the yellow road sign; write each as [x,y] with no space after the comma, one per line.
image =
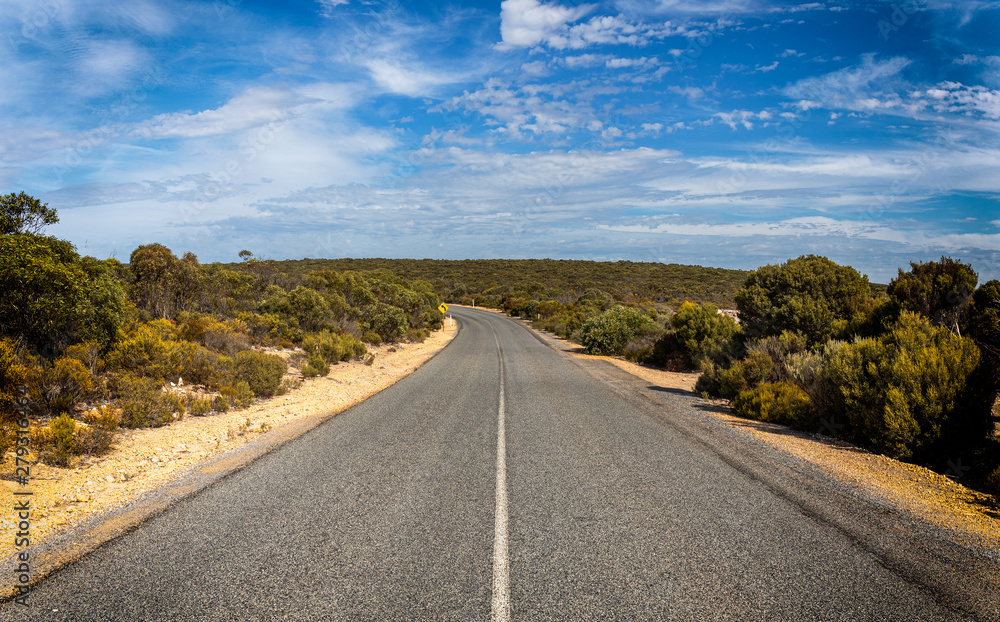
[443,308]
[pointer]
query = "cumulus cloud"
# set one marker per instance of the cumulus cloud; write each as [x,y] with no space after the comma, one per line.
[530,23]
[525,23]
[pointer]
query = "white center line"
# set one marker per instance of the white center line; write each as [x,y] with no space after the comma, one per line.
[501,577]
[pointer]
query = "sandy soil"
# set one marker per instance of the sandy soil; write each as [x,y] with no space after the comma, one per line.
[912,489]
[146,460]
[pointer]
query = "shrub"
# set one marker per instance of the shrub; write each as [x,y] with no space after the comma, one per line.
[198,365]
[262,372]
[315,365]
[811,371]
[776,402]
[270,328]
[220,403]
[417,335]
[898,390]
[200,407]
[323,345]
[372,337]
[780,349]
[353,347]
[148,350]
[938,290]
[61,432]
[742,375]
[12,375]
[810,295]
[226,338]
[611,331]
[88,353]
[703,332]
[239,396]
[95,439]
[57,387]
[391,323]
[244,395]
[141,402]
[173,404]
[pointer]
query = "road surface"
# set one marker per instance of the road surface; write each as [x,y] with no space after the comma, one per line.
[610,500]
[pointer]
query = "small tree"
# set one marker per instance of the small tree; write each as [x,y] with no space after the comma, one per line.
[21,213]
[938,290]
[810,295]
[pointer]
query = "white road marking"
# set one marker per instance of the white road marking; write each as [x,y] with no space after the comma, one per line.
[501,576]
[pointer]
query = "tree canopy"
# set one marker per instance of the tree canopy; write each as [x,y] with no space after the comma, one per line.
[811,295]
[21,213]
[938,290]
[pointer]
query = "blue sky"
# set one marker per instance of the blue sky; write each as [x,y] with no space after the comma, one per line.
[730,133]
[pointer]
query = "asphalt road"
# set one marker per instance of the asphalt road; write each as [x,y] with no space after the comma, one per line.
[622,501]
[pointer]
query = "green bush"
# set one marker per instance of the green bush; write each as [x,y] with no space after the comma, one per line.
[810,295]
[197,364]
[780,349]
[316,365]
[611,331]
[899,390]
[148,350]
[60,385]
[200,407]
[262,372]
[227,337]
[776,402]
[372,337]
[142,402]
[703,332]
[389,322]
[220,403]
[323,346]
[742,375]
[61,432]
[239,396]
[13,374]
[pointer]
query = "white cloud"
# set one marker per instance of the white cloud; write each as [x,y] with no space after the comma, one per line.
[532,108]
[411,79]
[743,118]
[254,107]
[958,98]
[326,7]
[529,23]
[619,63]
[844,88]
[537,68]
[766,68]
[526,23]
[692,93]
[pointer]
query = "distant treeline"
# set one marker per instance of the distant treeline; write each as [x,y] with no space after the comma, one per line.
[494,282]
